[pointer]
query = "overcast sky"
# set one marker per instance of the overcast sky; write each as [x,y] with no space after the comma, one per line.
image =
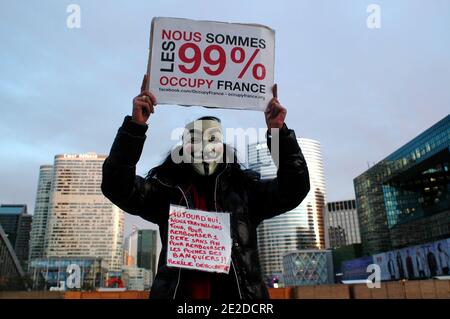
[361,92]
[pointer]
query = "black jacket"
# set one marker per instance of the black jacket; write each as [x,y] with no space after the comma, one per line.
[249,199]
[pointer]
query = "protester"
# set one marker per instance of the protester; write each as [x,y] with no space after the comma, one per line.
[214,184]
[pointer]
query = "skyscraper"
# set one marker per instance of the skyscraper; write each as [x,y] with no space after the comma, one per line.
[40,215]
[81,222]
[301,228]
[10,269]
[16,223]
[146,252]
[141,249]
[404,199]
[342,223]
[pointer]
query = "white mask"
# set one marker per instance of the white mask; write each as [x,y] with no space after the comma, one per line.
[203,145]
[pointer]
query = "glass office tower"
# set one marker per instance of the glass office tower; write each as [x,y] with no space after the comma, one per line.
[41,207]
[342,223]
[301,228]
[16,223]
[141,249]
[405,199]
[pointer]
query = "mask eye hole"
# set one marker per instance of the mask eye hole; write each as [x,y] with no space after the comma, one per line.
[195,139]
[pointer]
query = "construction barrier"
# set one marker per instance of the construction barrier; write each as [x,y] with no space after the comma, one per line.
[420,289]
[107,295]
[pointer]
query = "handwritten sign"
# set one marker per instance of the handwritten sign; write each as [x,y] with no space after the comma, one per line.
[199,240]
[213,64]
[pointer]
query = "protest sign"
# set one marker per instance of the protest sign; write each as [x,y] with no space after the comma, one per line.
[212,64]
[199,240]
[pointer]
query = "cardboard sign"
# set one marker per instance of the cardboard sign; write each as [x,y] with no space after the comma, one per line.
[213,64]
[199,240]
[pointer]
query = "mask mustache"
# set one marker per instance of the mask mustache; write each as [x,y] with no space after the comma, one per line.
[208,154]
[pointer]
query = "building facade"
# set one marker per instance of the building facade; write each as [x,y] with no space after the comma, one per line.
[10,269]
[301,228]
[81,222]
[56,273]
[309,267]
[136,278]
[41,209]
[16,223]
[424,261]
[342,223]
[405,199]
[142,249]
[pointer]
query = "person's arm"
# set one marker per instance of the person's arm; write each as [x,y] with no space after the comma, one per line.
[269,198]
[120,184]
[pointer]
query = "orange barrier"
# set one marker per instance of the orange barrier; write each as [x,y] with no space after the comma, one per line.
[423,289]
[106,295]
[31,295]
[322,292]
[420,289]
[281,293]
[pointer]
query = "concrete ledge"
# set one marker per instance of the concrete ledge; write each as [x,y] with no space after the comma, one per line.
[281,293]
[396,290]
[442,288]
[427,289]
[360,292]
[423,289]
[304,293]
[107,295]
[322,292]
[412,290]
[31,295]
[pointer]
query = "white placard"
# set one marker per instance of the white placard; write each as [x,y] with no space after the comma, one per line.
[198,240]
[212,64]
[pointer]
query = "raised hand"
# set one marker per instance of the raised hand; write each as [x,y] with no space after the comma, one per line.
[275,113]
[143,104]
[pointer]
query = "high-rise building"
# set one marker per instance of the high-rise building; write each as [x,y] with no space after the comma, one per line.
[131,248]
[16,223]
[41,207]
[404,199]
[126,259]
[146,253]
[142,249]
[10,269]
[301,228]
[342,223]
[81,222]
